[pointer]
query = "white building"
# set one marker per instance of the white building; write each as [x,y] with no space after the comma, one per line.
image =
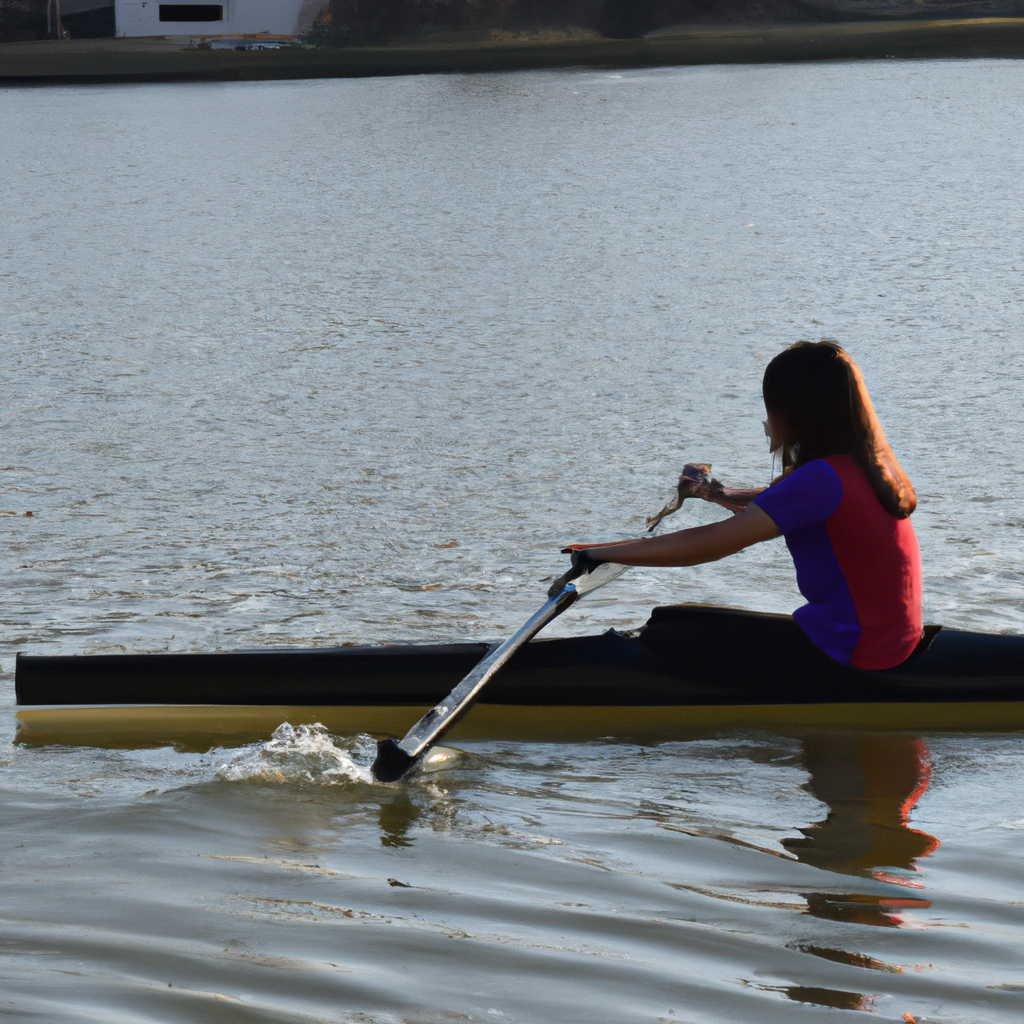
[280,18]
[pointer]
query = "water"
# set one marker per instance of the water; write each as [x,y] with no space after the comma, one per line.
[322,362]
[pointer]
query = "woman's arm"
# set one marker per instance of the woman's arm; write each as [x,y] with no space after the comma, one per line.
[693,546]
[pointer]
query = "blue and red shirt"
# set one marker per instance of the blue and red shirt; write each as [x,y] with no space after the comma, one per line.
[858,566]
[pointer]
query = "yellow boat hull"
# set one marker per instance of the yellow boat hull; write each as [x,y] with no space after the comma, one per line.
[204,726]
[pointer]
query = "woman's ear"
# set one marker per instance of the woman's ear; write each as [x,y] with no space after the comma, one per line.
[776,431]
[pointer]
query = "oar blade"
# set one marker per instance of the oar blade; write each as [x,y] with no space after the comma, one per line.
[392,763]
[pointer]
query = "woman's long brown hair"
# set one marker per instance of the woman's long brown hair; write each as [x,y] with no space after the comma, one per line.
[818,392]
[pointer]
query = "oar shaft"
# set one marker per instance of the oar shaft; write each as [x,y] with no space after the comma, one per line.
[396,757]
[439,719]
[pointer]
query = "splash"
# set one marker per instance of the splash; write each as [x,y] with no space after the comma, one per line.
[304,753]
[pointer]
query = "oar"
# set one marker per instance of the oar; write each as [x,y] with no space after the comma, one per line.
[396,758]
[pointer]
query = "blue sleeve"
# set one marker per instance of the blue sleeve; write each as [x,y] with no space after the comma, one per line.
[808,495]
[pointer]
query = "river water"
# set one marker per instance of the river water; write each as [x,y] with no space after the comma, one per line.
[319,362]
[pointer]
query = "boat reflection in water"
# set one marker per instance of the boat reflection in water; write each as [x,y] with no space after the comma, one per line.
[870,784]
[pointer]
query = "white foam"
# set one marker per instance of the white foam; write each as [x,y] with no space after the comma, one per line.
[304,753]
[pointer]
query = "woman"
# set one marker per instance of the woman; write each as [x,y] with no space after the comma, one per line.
[842,503]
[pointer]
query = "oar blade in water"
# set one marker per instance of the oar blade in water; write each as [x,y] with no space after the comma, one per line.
[391,762]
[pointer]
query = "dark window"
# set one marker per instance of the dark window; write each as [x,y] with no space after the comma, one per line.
[191,12]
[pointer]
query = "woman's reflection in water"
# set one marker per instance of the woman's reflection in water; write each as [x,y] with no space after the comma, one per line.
[870,784]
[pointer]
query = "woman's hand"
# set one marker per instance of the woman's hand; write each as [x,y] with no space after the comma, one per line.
[583,563]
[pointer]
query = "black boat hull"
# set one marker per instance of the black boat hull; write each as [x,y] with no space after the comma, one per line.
[704,664]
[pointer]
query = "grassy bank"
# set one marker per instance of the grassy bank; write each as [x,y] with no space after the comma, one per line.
[152,60]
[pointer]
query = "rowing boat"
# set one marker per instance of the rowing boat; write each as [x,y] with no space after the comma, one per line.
[690,667]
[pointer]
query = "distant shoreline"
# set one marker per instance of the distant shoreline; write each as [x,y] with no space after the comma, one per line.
[164,60]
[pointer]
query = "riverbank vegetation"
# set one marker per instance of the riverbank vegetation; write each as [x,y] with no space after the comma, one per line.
[404,22]
[21,20]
